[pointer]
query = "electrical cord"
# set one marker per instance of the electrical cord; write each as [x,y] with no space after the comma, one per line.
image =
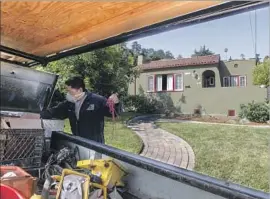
[111,105]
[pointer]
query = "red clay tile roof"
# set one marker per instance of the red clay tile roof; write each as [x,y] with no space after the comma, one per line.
[194,61]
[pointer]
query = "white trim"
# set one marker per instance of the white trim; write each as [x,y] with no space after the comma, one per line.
[229,81]
[211,84]
[234,81]
[181,83]
[245,77]
[153,88]
[170,83]
[158,83]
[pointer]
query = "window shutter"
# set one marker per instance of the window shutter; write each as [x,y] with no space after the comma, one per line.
[159,83]
[169,82]
[150,82]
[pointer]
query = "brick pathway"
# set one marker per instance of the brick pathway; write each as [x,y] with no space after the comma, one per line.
[163,146]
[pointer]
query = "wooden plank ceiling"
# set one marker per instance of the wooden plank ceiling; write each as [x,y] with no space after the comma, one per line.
[44,28]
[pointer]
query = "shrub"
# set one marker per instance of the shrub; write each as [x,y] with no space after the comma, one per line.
[151,104]
[255,112]
[198,110]
[166,103]
[261,73]
[143,104]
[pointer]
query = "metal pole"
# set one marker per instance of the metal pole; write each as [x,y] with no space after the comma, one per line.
[255,34]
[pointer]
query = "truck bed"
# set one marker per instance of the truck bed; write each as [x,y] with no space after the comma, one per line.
[150,179]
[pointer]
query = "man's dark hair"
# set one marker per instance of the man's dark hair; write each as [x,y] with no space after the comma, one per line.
[75,82]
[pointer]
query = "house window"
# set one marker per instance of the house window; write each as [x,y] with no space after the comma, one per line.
[234,81]
[150,84]
[226,82]
[242,81]
[208,78]
[179,83]
[164,83]
[167,82]
[211,81]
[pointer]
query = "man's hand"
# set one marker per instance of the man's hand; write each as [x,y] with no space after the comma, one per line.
[114,98]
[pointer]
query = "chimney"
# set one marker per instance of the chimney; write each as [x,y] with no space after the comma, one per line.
[140,60]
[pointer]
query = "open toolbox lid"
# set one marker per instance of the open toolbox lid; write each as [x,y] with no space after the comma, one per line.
[38,32]
[24,89]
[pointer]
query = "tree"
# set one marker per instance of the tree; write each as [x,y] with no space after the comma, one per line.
[226,52]
[180,57]
[158,55]
[151,54]
[147,54]
[104,70]
[169,55]
[242,56]
[266,58]
[202,52]
[261,73]
[136,50]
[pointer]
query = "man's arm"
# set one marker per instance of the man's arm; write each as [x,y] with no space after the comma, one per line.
[110,108]
[59,112]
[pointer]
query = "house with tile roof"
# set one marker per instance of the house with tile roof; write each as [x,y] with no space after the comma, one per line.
[216,86]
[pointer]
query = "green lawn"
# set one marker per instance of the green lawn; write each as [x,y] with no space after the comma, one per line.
[237,154]
[118,135]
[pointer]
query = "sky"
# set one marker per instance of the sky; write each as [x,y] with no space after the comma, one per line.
[237,33]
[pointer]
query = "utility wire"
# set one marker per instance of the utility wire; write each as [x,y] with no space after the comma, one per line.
[252,36]
[255,37]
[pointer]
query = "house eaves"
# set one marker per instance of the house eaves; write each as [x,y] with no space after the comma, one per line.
[185,62]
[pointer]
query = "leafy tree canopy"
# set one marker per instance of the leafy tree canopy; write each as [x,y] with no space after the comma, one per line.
[150,54]
[202,52]
[104,71]
[261,73]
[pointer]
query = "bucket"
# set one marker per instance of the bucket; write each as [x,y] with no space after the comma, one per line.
[23,182]
[7,192]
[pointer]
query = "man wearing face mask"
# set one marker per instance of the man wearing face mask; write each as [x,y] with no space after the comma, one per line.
[84,109]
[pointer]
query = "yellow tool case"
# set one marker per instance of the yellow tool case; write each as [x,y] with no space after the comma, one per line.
[110,172]
[85,187]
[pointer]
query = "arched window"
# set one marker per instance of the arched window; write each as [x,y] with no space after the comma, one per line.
[208,79]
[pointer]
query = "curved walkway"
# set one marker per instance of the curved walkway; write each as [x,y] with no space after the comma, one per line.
[161,145]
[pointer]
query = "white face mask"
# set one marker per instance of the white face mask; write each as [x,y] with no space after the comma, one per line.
[75,98]
[70,98]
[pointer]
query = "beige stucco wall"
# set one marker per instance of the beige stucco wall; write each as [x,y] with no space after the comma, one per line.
[217,100]
[245,68]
